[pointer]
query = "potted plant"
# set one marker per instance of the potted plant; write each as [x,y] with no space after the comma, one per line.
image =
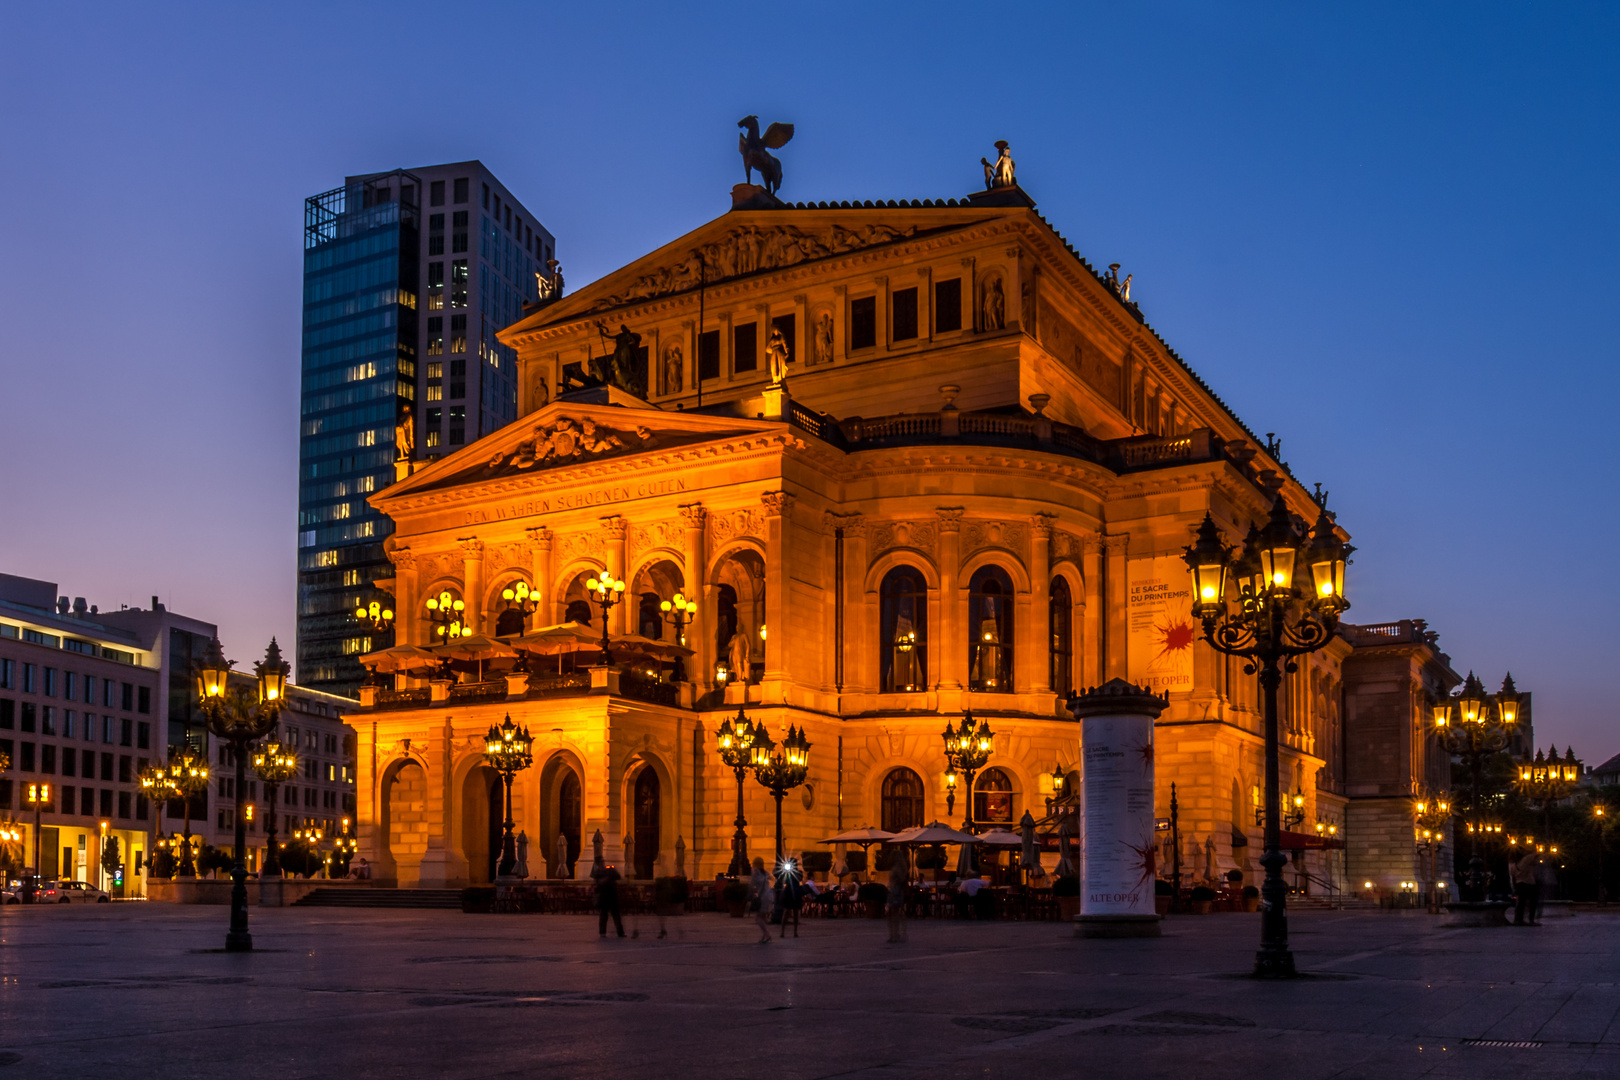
[1163,894]
[1066,890]
[735,897]
[670,895]
[1251,898]
[1202,897]
[872,896]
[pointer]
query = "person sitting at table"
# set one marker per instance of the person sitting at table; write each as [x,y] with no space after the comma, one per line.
[969,898]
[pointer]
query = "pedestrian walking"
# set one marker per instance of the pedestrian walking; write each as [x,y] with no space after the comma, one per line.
[899,880]
[1522,873]
[761,897]
[1546,882]
[607,877]
[792,896]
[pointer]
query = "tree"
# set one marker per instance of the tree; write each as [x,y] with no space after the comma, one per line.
[111,856]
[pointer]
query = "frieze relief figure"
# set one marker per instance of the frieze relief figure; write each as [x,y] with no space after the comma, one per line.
[748,249]
[567,440]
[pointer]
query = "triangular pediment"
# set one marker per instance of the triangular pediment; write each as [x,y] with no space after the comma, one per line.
[569,433]
[749,242]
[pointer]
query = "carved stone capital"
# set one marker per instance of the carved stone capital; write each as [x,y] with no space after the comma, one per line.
[1116,543]
[540,536]
[471,546]
[950,518]
[693,514]
[777,502]
[615,526]
[853,524]
[1041,526]
[404,559]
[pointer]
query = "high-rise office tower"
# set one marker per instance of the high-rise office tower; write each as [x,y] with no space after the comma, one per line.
[407,277]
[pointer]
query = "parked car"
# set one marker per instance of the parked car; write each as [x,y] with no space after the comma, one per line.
[10,894]
[72,892]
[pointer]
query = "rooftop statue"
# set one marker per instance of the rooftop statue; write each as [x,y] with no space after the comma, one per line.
[999,173]
[623,367]
[755,151]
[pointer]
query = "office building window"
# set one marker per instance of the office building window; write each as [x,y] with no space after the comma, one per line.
[89,690]
[744,344]
[106,802]
[143,735]
[8,674]
[486,196]
[30,679]
[107,767]
[70,761]
[436,244]
[126,732]
[109,690]
[458,243]
[127,701]
[68,804]
[69,724]
[30,716]
[123,804]
[107,729]
[903,302]
[458,326]
[5,794]
[947,305]
[70,685]
[47,721]
[460,220]
[435,391]
[435,300]
[458,424]
[125,768]
[143,699]
[435,274]
[862,323]
[50,682]
[436,193]
[47,758]
[434,417]
[435,223]
[27,757]
[87,802]
[8,713]
[461,189]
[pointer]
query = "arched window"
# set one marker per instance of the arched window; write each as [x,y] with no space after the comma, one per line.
[510,621]
[990,631]
[649,620]
[993,797]
[578,611]
[725,621]
[902,800]
[903,630]
[1060,621]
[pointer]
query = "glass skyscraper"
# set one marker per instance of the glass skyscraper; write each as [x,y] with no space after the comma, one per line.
[400,313]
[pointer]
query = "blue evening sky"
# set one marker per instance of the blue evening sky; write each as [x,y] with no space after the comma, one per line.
[1386,232]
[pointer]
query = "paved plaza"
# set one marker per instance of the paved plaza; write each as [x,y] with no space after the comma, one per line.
[85,991]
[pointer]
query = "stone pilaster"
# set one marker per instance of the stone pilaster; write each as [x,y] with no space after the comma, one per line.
[472,583]
[540,568]
[947,646]
[1117,662]
[1091,649]
[1037,646]
[778,557]
[407,614]
[614,529]
[700,635]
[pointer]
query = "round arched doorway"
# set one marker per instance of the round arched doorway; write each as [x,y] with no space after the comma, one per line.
[646,795]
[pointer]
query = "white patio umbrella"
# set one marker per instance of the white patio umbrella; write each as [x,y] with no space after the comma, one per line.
[401,659]
[932,833]
[864,836]
[1000,838]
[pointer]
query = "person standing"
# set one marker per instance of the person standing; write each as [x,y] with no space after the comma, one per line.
[1522,872]
[792,896]
[606,876]
[899,880]
[762,896]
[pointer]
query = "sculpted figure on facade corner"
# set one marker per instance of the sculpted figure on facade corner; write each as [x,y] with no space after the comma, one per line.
[993,307]
[674,370]
[999,173]
[404,435]
[738,657]
[776,351]
[622,367]
[824,338]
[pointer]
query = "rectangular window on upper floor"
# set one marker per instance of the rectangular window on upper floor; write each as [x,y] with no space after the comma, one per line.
[458,242]
[8,674]
[461,189]
[436,300]
[458,274]
[435,243]
[486,196]
[435,274]
[903,303]
[744,348]
[947,305]
[862,323]
[709,354]
[8,713]
[435,223]
[50,682]
[436,193]
[30,679]
[460,219]
[30,716]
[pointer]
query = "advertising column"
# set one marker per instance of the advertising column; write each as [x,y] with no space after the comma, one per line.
[1118,866]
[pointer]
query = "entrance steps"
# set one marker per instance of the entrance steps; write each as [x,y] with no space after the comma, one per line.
[382,898]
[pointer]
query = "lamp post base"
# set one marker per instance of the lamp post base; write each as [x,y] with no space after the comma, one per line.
[238,941]
[1274,964]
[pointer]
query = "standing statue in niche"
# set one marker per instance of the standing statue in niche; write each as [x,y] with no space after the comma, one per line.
[776,352]
[559,867]
[993,307]
[674,375]
[404,435]
[539,390]
[999,173]
[824,338]
[737,657]
[521,870]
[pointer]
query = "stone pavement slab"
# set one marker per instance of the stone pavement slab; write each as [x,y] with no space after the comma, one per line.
[384,993]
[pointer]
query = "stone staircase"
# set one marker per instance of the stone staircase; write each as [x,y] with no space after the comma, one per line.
[1319,902]
[449,899]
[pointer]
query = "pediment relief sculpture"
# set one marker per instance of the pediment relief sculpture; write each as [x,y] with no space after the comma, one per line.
[568,440]
[749,249]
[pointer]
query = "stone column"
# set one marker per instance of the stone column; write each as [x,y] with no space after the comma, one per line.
[439,862]
[407,617]
[778,557]
[699,634]
[1038,668]
[540,568]
[1091,659]
[1117,837]
[614,529]
[947,647]
[368,803]
[1117,661]
[472,583]
[860,636]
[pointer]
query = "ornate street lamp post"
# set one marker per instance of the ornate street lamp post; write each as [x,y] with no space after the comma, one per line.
[679,611]
[241,722]
[781,769]
[1470,728]
[1268,622]
[1430,813]
[375,615]
[608,593]
[155,786]
[508,749]
[39,797]
[274,764]
[1547,780]
[735,739]
[444,611]
[967,749]
[188,776]
[1600,818]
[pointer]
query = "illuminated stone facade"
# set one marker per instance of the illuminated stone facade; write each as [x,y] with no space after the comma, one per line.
[972,494]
